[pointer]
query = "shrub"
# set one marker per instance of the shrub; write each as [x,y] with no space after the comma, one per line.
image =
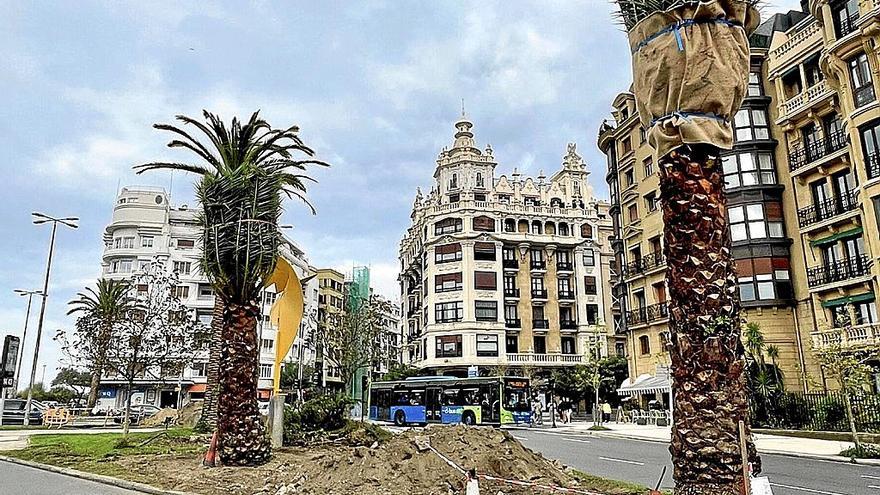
[868,451]
[831,414]
[314,417]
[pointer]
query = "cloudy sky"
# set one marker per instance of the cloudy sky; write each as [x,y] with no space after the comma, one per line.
[374,85]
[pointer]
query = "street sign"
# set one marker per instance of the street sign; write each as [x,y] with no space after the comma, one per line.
[473,371]
[10,355]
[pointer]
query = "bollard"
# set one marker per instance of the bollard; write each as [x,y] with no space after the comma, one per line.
[472,486]
[276,420]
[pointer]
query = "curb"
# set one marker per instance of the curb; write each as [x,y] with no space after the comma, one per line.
[98,478]
[827,458]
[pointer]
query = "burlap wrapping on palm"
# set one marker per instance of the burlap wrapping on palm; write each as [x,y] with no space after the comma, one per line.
[690,69]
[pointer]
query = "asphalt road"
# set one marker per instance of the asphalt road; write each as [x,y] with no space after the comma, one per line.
[16,479]
[642,462]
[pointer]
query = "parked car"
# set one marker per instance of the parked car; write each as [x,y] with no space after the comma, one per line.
[13,412]
[139,412]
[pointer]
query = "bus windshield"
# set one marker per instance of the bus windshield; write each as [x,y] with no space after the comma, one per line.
[516,395]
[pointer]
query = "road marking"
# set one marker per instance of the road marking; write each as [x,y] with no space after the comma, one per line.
[868,476]
[629,462]
[520,438]
[808,490]
[875,487]
[576,440]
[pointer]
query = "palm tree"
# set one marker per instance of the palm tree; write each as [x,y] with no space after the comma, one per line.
[109,303]
[208,419]
[245,171]
[690,70]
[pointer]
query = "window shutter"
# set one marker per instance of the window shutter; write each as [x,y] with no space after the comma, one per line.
[485,280]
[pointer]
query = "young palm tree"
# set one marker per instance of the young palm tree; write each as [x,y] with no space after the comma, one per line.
[109,303]
[690,65]
[246,170]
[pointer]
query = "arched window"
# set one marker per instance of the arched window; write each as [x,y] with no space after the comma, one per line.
[453,181]
[550,228]
[523,226]
[563,229]
[536,227]
[509,225]
[587,231]
[480,180]
[484,224]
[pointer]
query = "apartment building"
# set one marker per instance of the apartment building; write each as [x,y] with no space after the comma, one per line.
[331,300]
[503,272]
[802,201]
[146,229]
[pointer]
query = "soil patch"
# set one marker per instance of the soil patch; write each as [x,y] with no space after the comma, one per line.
[186,417]
[399,466]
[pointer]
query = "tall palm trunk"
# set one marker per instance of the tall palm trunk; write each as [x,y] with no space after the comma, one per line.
[98,369]
[241,435]
[208,419]
[708,362]
[93,388]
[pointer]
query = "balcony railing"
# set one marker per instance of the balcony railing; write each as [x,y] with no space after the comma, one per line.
[847,25]
[647,314]
[510,264]
[545,358]
[539,293]
[839,271]
[645,263]
[541,324]
[804,99]
[568,325]
[511,292]
[564,266]
[513,323]
[818,149]
[829,208]
[872,165]
[538,265]
[566,294]
[855,336]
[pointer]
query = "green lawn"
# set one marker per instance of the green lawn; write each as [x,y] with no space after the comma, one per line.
[95,452]
[611,487]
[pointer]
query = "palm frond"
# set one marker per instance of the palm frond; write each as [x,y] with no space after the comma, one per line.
[186,167]
[630,12]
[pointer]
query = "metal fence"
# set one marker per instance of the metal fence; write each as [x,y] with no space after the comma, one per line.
[817,412]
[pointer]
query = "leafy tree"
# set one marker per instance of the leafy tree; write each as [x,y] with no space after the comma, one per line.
[849,367]
[290,376]
[245,171]
[60,395]
[106,306]
[400,372]
[73,379]
[157,337]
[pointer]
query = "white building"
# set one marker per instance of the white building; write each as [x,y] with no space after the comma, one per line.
[146,229]
[504,271]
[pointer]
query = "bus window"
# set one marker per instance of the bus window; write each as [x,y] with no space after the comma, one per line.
[401,399]
[516,395]
[417,398]
[450,397]
[469,397]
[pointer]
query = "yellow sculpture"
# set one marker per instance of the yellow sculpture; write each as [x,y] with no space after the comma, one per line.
[286,313]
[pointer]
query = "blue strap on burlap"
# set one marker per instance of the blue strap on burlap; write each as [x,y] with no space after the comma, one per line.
[676,27]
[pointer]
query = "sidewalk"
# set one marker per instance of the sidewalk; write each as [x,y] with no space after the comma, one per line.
[767,444]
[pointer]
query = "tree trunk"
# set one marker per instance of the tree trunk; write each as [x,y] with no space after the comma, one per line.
[93,391]
[708,364]
[127,418]
[208,419]
[241,439]
[852,421]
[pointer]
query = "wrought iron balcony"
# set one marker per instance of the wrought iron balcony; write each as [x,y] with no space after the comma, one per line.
[564,266]
[647,314]
[872,165]
[839,271]
[538,265]
[645,263]
[568,325]
[541,324]
[818,149]
[829,208]
[512,323]
[566,294]
[510,264]
[511,292]
[539,293]
[847,25]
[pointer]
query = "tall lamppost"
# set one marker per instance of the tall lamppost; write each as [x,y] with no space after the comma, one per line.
[27,315]
[39,219]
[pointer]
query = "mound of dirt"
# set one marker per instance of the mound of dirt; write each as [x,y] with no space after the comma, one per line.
[402,465]
[187,416]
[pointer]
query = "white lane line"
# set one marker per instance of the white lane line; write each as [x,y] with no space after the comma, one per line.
[612,459]
[874,487]
[576,440]
[868,476]
[520,438]
[808,490]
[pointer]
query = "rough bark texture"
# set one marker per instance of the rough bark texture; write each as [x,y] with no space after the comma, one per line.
[241,439]
[208,420]
[93,389]
[708,365]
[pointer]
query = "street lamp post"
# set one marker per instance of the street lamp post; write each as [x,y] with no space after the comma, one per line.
[39,219]
[27,315]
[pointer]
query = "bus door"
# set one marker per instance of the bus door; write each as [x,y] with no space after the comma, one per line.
[432,405]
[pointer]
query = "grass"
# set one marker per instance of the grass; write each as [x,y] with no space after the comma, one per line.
[867,451]
[611,487]
[95,453]
[599,428]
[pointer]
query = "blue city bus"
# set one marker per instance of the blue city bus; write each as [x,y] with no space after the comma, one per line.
[442,399]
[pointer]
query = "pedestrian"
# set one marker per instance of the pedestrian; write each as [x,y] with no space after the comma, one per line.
[606,412]
[537,412]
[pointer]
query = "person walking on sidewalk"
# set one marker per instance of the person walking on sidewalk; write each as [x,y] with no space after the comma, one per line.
[537,412]
[606,412]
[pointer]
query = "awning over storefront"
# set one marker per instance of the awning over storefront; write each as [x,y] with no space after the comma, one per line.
[198,387]
[660,383]
[840,301]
